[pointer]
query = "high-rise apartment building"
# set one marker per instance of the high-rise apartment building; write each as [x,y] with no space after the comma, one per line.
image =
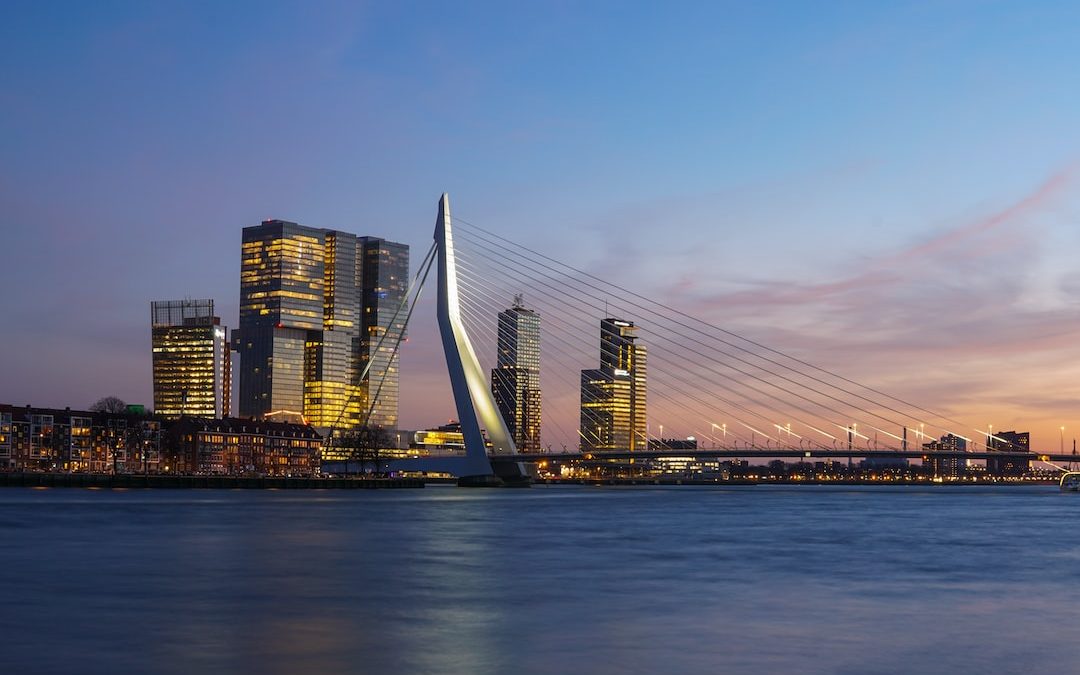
[613,396]
[191,360]
[314,303]
[515,379]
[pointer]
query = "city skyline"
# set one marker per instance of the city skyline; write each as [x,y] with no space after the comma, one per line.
[775,305]
[891,217]
[331,241]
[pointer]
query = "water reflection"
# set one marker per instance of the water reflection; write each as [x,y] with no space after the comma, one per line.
[738,580]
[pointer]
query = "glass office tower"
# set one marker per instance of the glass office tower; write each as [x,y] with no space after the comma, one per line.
[613,396]
[515,380]
[310,300]
[191,359]
[384,285]
[281,301]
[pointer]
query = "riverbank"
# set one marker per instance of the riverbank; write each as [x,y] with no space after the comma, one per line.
[135,481]
[746,481]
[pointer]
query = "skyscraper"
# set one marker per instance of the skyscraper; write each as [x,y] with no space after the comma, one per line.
[613,396]
[515,380]
[313,305]
[384,285]
[191,359]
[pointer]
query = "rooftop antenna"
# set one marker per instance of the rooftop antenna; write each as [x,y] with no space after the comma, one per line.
[519,300]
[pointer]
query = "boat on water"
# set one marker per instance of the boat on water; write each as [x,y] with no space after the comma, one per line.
[1070,481]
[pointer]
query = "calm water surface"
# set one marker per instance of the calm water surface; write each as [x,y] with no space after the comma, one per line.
[547,580]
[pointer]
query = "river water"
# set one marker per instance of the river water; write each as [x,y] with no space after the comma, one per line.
[750,579]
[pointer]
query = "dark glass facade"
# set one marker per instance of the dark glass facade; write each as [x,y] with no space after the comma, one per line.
[384,283]
[515,380]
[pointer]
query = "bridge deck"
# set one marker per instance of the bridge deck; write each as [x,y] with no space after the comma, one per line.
[742,453]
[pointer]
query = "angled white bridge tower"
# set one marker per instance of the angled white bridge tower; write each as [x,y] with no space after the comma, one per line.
[475,406]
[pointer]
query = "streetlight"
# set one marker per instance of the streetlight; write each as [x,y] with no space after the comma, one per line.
[1062,447]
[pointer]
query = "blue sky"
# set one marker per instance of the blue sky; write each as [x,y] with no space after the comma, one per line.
[752,146]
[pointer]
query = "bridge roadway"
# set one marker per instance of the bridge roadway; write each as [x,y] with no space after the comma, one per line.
[803,453]
[459,465]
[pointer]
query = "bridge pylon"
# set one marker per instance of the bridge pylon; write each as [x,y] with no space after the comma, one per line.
[472,397]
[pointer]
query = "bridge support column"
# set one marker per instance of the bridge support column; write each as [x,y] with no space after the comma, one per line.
[472,397]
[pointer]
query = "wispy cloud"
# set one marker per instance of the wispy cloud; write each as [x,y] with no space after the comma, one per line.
[948,321]
[933,257]
[955,241]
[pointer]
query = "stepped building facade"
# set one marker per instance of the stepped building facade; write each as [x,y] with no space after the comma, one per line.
[613,396]
[321,312]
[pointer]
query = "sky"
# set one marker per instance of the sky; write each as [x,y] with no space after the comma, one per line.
[889,190]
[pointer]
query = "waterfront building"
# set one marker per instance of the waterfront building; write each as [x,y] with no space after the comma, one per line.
[1009,441]
[443,440]
[681,465]
[192,368]
[79,441]
[515,379]
[281,298]
[384,286]
[314,304]
[242,447]
[613,396]
[945,466]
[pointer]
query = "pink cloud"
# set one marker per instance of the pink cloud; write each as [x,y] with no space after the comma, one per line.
[886,271]
[945,322]
[1045,193]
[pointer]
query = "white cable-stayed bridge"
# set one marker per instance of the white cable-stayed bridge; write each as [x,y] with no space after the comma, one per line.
[669,375]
